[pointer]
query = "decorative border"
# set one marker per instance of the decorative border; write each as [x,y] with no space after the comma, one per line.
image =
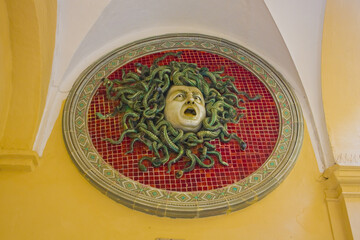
[182,204]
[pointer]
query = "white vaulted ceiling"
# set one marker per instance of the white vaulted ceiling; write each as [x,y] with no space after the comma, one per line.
[286,33]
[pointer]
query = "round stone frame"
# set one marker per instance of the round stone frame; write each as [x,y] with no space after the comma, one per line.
[182,204]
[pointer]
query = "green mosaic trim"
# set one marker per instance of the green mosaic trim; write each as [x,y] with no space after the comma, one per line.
[182,204]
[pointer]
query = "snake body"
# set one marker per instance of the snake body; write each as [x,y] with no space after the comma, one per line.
[140,96]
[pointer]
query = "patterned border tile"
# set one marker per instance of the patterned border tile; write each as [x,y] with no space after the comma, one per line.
[182,204]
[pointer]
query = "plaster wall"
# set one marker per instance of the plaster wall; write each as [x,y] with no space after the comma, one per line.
[340,81]
[5,66]
[25,75]
[353,210]
[301,27]
[121,22]
[274,29]
[56,202]
[46,15]
[73,23]
[27,44]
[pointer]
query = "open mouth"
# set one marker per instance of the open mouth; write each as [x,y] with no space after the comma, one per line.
[190,112]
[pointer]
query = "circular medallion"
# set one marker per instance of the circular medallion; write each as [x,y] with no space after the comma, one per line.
[117,133]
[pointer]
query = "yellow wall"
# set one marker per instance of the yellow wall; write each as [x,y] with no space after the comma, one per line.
[341,91]
[340,74]
[30,25]
[26,74]
[5,66]
[46,13]
[56,202]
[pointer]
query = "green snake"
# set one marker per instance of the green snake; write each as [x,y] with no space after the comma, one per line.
[140,97]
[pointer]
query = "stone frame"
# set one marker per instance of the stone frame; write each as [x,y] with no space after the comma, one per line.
[182,204]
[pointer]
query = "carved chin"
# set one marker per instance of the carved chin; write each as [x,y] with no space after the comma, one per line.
[188,125]
[189,118]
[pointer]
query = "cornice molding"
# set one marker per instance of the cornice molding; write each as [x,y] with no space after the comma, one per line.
[343,177]
[348,178]
[18,160]
[348,158]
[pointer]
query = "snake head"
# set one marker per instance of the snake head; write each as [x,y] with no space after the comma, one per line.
[99,115]
[159,89]
[156,162]
[179,174]
[243,146]
[142,167]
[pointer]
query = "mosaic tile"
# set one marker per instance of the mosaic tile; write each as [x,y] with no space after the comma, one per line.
[272,127]
[261,122]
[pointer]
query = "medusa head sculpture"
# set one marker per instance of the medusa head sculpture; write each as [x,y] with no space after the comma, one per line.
[176,108]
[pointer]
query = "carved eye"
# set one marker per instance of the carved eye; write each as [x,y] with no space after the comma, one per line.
[198,99]
[180,97]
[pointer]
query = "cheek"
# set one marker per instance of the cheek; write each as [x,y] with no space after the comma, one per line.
[202,110]
[172,108]
[174,105]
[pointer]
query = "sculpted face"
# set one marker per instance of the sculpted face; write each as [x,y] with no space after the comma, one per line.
[185,108]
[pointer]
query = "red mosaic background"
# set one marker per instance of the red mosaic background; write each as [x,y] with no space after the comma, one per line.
[259,128]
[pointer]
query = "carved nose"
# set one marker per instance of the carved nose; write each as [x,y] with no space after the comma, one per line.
[191,100]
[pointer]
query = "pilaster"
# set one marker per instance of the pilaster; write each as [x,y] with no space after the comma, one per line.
[343,201]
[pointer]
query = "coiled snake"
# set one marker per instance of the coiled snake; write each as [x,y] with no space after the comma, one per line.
[141,100]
